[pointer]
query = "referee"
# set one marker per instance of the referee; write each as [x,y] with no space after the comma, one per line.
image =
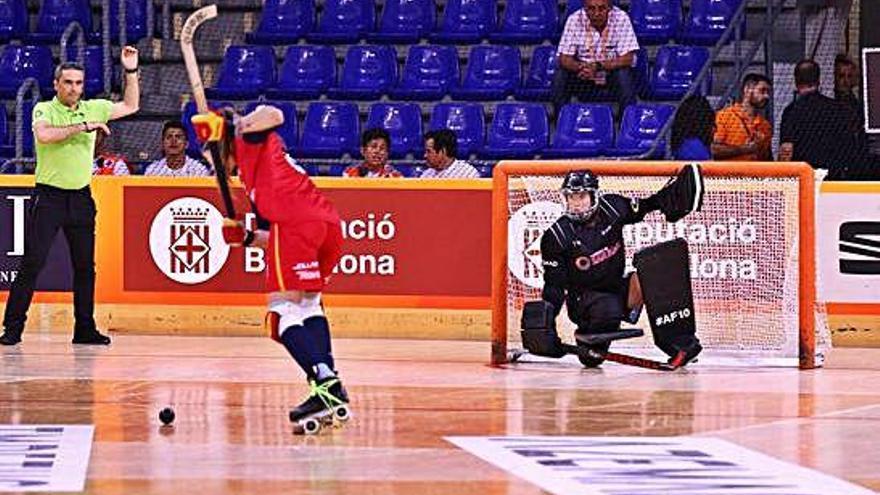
[64,129]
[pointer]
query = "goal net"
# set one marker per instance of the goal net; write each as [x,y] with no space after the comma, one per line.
[752,256]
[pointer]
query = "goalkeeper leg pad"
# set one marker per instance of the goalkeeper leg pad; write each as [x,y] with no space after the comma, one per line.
[539,330]
[664,273]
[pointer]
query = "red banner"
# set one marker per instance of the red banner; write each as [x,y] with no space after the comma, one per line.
[418,242]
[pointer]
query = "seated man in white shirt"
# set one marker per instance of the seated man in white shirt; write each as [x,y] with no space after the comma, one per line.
[440,149]
[175,162]
[596,53]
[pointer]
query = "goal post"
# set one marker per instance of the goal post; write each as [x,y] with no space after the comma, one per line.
[753,253]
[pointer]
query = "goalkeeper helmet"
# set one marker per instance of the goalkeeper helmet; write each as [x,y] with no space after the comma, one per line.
[581,191]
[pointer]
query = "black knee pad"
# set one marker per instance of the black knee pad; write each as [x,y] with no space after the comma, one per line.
[539,330]
[600,312]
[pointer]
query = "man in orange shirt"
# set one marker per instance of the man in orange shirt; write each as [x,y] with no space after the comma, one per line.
[741,133]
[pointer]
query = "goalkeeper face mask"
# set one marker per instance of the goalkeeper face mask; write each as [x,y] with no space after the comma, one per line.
[581,205]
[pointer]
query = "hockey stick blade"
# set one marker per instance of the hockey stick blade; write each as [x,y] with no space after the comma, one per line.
[187,35]
[619,358]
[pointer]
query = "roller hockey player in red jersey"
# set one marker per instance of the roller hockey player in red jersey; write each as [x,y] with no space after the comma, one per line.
[584,258]
[300,230]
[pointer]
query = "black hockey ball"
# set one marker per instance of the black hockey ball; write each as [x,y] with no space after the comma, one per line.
[166,416]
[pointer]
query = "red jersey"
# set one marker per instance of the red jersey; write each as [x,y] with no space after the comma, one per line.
[280,189]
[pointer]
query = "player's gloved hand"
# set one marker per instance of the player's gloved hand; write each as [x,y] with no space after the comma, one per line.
[208,126]
[235,234]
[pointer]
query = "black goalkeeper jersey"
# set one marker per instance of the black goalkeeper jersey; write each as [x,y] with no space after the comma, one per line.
[587,256]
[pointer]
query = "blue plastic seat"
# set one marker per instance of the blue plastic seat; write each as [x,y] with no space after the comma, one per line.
[7,147]
[307,72]
[675,70]
[246,72]
[56,15]
[466,21]
[518,130]
[466,120]
[493,72]
[403,121]
[527,21]
[640,127]
[283,22]
[136,27]
[193,147]
[289,129]
[330,130]
[430,71]
[344,21]
[582,131]
[655,22]
[4,132]
[405,21]
[19,62]
[13,20]
[369,71]
[707,20]
[539,78]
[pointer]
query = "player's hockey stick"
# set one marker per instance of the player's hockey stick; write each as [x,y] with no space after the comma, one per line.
[198,90]
[514,356]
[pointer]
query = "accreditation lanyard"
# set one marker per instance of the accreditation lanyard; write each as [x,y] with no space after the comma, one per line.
[603,38]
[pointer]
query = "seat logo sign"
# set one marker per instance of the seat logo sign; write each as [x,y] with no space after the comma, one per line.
[186,240]
[525,229]
[860,248]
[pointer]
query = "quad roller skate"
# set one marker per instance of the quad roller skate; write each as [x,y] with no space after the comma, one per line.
[327,401]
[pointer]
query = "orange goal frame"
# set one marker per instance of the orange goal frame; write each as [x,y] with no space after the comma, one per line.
[807,225]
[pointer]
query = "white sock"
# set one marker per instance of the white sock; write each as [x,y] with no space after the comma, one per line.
[323,371]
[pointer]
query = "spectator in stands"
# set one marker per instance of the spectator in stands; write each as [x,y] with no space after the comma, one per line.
[375,147]
[693,129]
[596,53]
[819,130]
[441,146]
[175,162]
[106,163]
[741,133]
[845,82]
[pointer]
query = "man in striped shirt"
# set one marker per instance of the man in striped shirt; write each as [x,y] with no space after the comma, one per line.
[596,53]
[175,162]
[441,147]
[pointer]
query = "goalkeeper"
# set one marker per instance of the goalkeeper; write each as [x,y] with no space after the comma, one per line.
[584,259]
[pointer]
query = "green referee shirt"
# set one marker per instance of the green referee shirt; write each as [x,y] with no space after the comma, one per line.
[68,164]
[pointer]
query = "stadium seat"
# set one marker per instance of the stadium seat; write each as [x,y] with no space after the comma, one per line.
[655,21]
[518,130]
[466,120]
[430,71]
[527,21]
[707,20]
[330,130]
[369,71]
[13,20]
[344,21]
[493,73]
[465,21]
[4,132]
[289,129]
[283,22]
[307,72]
[136,27]
[19,62]
[485,171]
[539,78]
[641,77]
[56,15]
[675,70]
[405,21]
[193,146]
[7,148]
[403,121]
[582,131]
[639,127]
[246,72]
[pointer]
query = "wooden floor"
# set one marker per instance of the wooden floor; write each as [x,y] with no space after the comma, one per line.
[232,395]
